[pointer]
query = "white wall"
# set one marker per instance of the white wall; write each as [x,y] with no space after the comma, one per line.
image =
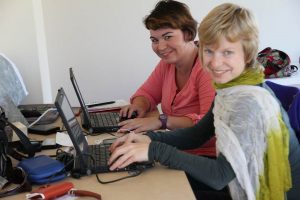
[106,43]
[18,42]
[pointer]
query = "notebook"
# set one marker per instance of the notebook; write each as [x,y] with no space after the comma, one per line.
[89,158]
[95,122]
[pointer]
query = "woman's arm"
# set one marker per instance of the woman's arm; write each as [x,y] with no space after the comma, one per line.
[216,173]
[132,147]
[139,104]
[188,138]
[179,122]
[148,95]
[151,89]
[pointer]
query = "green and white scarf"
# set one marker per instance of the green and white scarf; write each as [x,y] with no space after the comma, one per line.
[253,137]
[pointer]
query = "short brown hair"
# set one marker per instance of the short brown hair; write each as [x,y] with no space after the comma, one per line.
[172,14]
[234,23]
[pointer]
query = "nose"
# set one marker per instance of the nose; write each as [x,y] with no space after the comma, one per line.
[216,60]
[161,45]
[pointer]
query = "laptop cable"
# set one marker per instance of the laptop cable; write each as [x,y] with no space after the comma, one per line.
[132,174]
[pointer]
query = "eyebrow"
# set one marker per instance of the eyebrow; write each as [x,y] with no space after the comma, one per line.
[151,37]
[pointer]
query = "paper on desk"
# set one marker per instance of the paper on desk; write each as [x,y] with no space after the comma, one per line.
[117,105]
[63,139]
[67,197]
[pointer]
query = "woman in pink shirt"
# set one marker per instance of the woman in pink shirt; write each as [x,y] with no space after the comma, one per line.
[178,82]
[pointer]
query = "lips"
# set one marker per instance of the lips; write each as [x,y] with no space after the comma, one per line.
[165,54]
[219,72]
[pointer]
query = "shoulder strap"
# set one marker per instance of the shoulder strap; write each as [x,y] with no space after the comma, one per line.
[29,149]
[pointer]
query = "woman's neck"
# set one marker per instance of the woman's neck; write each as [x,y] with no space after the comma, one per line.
[188,60]
[184,70]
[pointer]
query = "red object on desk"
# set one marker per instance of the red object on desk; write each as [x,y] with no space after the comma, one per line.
[48,192]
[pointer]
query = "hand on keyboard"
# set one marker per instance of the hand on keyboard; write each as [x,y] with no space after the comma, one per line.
[133,115]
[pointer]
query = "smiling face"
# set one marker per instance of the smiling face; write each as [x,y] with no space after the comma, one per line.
[225,61]
[169,44]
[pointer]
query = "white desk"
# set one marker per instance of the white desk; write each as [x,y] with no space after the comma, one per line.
[293,80]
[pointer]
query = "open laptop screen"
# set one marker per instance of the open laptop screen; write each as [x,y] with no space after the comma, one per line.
[69,120]
[80,143]
[80,98]
[95,122]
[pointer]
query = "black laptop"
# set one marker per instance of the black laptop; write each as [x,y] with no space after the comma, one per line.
[95,122]
[89,158]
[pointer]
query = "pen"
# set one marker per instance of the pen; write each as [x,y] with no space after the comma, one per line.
[100,104]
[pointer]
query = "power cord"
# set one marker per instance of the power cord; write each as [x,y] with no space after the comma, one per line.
[132,174]
[67,158]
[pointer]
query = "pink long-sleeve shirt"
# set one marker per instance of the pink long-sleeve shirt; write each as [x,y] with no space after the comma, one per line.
[192,101]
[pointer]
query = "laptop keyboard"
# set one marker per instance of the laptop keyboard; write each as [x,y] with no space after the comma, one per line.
[104,119]
[100,157]
[97,160]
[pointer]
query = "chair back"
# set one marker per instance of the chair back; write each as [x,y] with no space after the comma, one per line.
[289,97]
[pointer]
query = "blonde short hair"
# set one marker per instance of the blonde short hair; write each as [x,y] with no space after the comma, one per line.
[234,23]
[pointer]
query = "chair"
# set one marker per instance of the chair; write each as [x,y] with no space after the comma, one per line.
[289,97]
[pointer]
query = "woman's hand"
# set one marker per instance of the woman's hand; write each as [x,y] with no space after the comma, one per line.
[127,111]
[129,138]
[128,149]
[140,124]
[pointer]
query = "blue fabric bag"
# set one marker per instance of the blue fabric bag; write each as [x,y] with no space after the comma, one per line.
[43,169]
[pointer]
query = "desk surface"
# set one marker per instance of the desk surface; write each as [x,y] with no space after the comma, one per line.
[155,183]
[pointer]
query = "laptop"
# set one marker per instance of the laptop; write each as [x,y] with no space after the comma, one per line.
[89,158]
[95,122]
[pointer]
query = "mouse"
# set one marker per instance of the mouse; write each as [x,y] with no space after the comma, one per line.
[133,115]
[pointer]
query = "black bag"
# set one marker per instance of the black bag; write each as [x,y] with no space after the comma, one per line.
[9,175]
[8,127]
